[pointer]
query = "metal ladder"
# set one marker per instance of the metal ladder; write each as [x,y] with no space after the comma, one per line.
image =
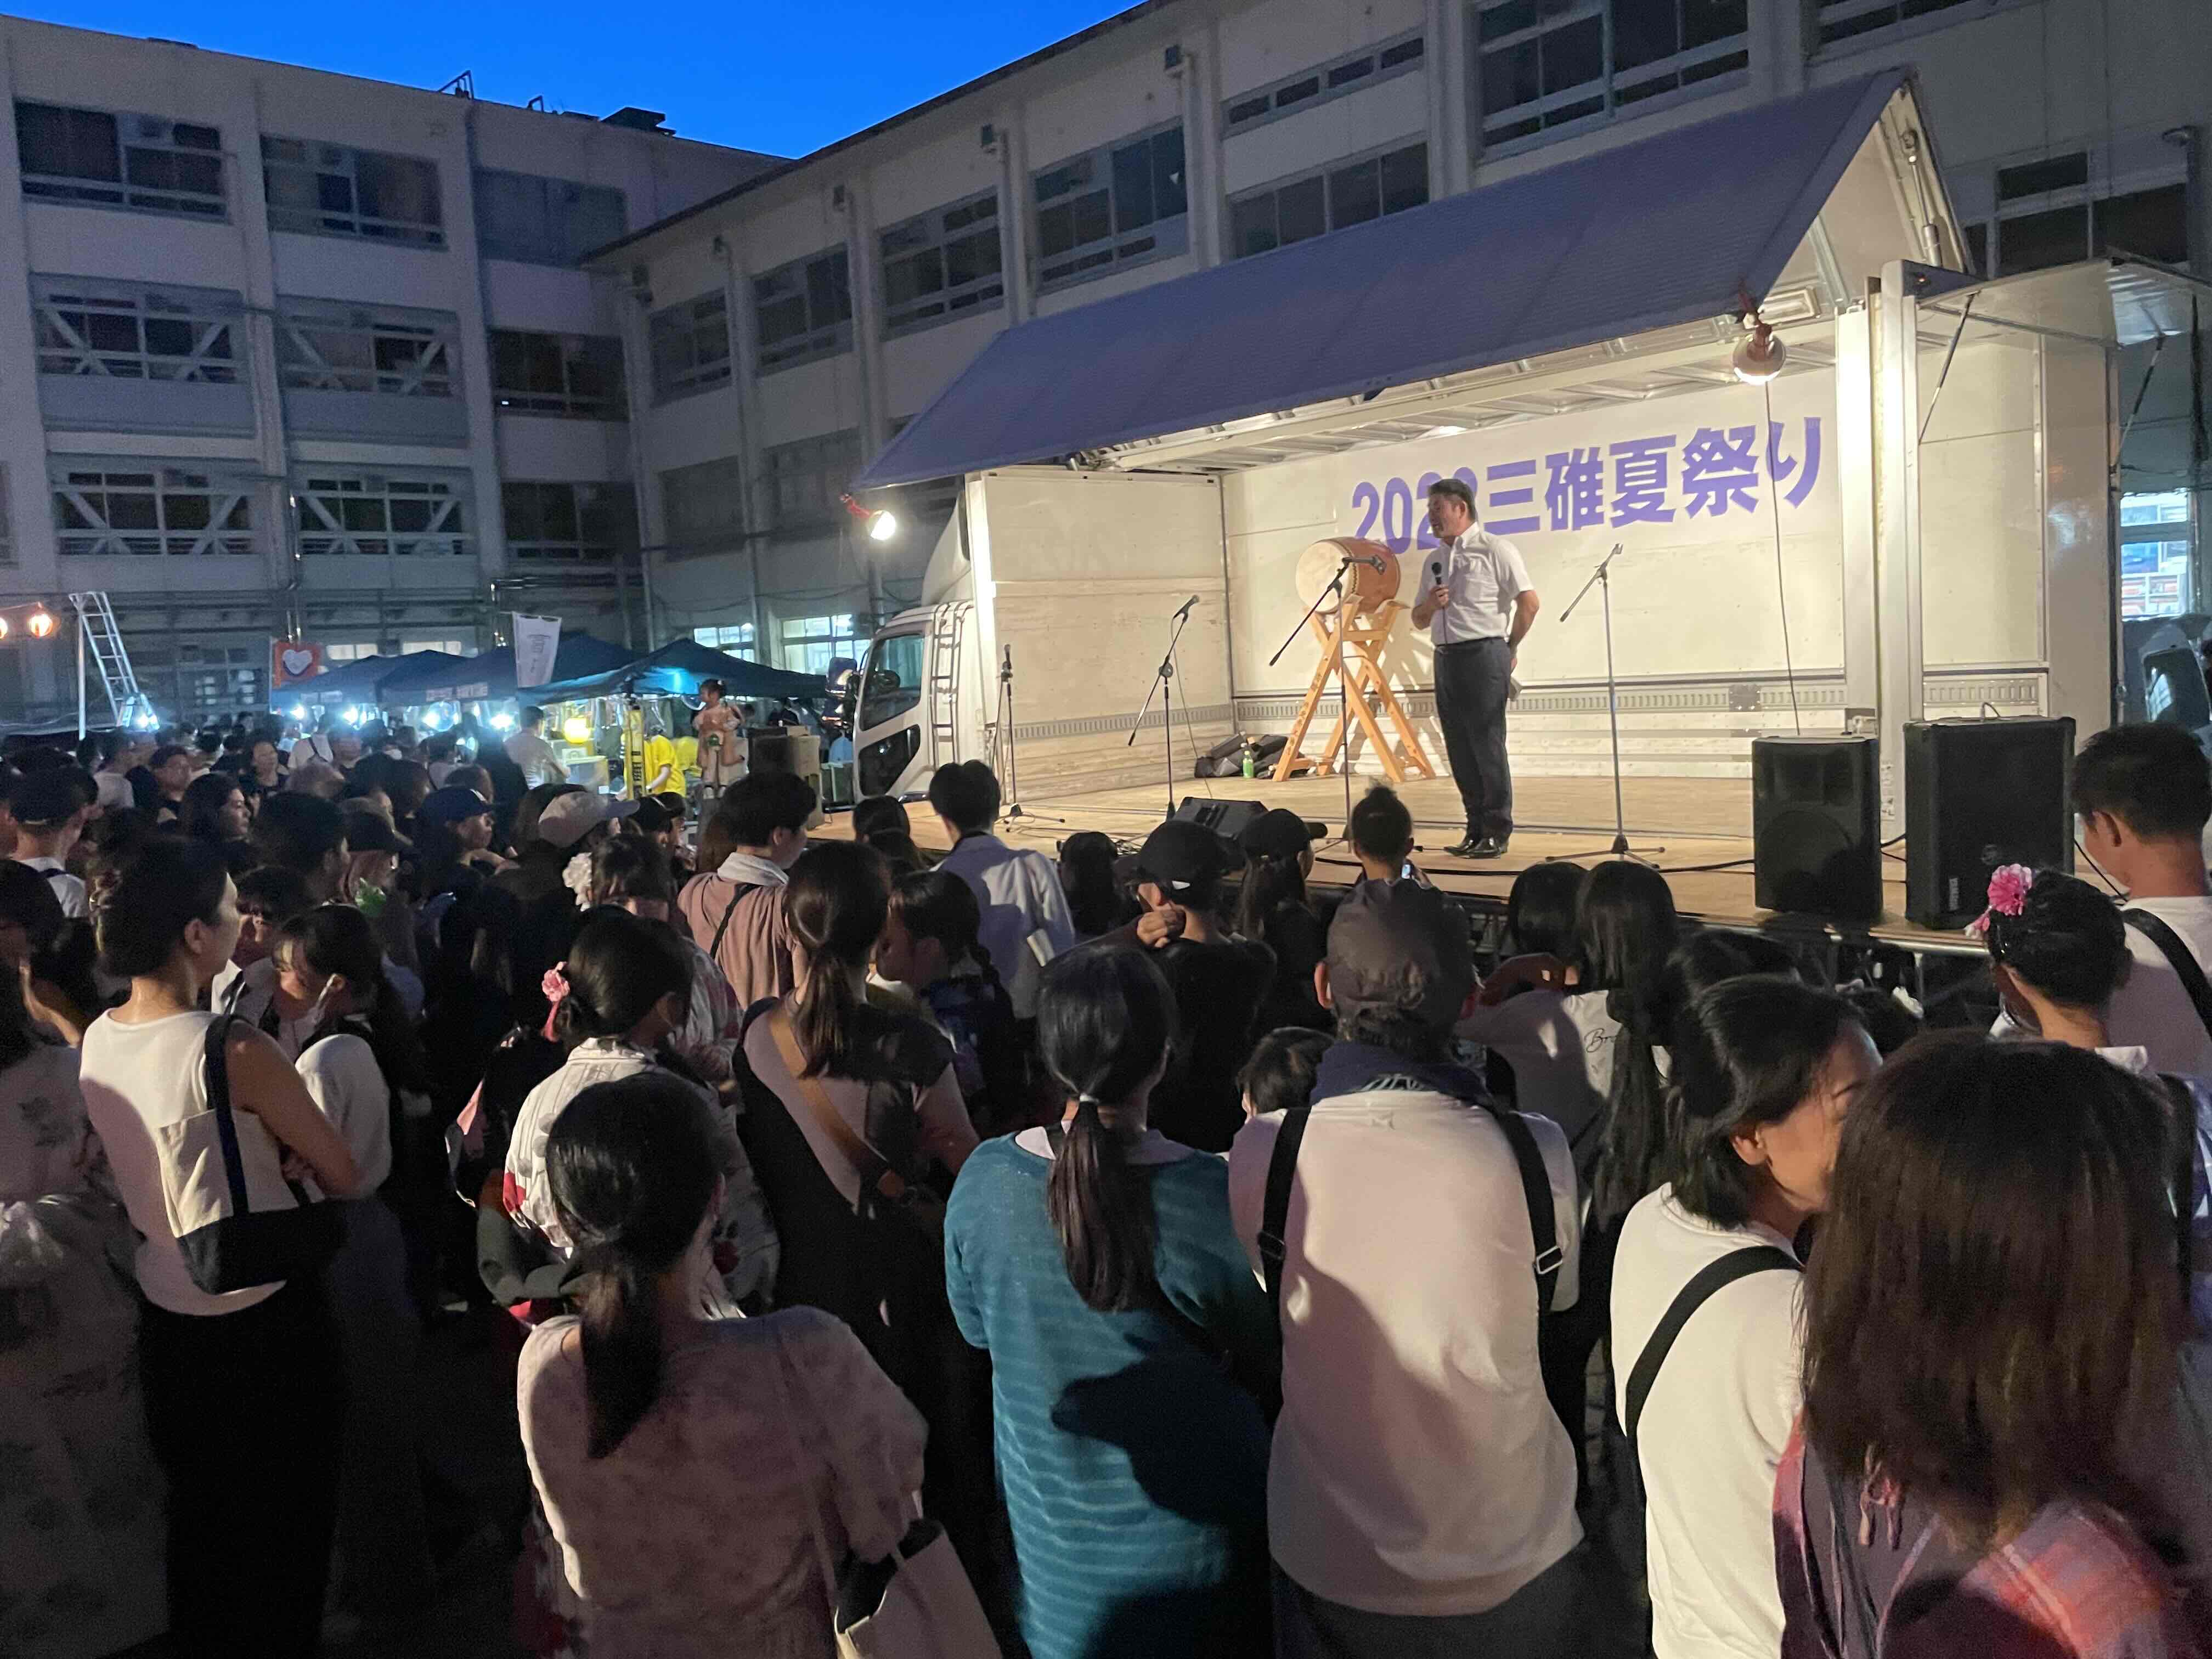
[99,645]
[946,628]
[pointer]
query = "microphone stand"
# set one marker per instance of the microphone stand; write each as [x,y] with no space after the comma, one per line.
[1164,688]
[1602,578]
[1344,690]
[1013,812]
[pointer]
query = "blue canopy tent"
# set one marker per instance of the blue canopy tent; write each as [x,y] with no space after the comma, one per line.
[362,681]
[490,677]
[677,668]
[1673,229]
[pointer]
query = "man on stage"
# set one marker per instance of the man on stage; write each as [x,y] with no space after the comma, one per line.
[1478,608]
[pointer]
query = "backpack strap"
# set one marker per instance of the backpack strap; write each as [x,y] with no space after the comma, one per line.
[744,888]
[1536,1193]
[1709,1280]
[873,1168]
[1275,1212]
[215,1064]
[2182,959]
[2183,1176]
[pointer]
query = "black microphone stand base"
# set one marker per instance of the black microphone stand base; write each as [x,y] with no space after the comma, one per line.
[1602,578]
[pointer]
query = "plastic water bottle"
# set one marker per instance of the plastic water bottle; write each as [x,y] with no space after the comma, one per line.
[1251,767]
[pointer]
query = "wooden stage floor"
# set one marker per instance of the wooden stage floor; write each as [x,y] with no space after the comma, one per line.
[1685,826]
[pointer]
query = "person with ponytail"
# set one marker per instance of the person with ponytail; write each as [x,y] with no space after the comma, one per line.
[362,1065]
[631,872]
[931,948]
[1134,1359]
[681,1462]
[625,987]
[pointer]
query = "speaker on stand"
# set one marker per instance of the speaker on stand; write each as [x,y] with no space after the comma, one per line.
[1816,826]
[1979,794]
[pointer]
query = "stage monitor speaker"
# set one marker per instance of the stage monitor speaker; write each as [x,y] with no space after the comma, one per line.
[1816,826]
[1978,794]
[1226,819]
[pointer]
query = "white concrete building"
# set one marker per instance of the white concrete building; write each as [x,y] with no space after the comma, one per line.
[295,351]
[783,330]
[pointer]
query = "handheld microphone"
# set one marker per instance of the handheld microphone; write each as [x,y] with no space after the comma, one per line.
[1436,572]
[1189,605]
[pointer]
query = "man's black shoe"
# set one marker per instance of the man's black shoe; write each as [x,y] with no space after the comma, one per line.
[1490,847]
[1467,848]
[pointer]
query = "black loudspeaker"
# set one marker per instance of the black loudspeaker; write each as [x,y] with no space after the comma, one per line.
[1816,826]
[1226,819]
[1977,794]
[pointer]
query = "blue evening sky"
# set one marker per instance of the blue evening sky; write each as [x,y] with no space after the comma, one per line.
[784,77]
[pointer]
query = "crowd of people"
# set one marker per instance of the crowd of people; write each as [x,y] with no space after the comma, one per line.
[1224,1265]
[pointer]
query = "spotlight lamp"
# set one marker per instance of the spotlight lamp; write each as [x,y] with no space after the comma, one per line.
[1760,355]
[41,623]
[881,522]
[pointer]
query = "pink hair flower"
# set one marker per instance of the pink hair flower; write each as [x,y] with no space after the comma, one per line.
[2008,890]
[554,985]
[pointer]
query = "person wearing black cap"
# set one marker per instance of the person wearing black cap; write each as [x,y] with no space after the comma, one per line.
[1220,980]
[51,808]
[1272,905]
[1421,1490]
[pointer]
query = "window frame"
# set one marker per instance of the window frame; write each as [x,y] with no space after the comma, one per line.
[317,160]
[1826,14]
[830,458]
[822,338]
[1166,238]
[2093,200]
[1327,173]
[121,194]
[212,316]
[743,644]
[799,646]
[703,540]
[564,250]
[436,370]
[450,494]
[580,549]
[1718,74]
[1324,92]
[229,494]
[953,302]
[2158,532]
[567,403]
[700,374]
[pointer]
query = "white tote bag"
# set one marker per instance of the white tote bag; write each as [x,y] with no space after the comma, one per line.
[916,1603]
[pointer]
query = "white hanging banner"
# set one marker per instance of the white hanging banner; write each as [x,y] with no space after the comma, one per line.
[536,642]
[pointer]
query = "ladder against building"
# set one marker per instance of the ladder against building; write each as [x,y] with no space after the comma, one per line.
[100,650]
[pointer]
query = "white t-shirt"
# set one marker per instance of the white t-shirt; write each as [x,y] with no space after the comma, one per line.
[1418,1467]
[136,1080]
[345,1080]
[1713,1429]
[69,888]
[1485,575]
[2152,1011]
[1560,1047]
[1019,893]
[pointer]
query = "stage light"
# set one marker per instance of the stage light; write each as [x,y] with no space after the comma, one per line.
[3,628]
[146,723]
[430,720]
[299,711]
[42,622]
[1760,357]
[503,722]
[353,717]
[882,523]
[576,729]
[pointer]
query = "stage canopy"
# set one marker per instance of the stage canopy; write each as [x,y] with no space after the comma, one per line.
[1671,230]
[490,676]
[676,669]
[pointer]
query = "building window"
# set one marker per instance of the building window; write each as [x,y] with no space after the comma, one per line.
[806,480]
[99,159]
[331,190]
[1840,20]
[1350,193]
[804,311]
[120,508]
[579,374]
[702,507]
[943,265]
[2040,223]
[737,640]
[352,651]
[1550,63]
[2157,552]
[568,523]
[132,334]
[1117,207]
[381,515]
[354,348]
[1354,72]
[809,643]
[690,347]
[449,647]
[544,222]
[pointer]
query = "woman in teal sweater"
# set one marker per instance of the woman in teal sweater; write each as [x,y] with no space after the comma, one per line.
[1135,1362]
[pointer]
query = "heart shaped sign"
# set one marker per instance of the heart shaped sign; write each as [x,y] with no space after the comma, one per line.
[297,663]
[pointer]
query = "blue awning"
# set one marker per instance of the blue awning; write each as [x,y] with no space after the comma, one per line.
[1648,236]
[675,670]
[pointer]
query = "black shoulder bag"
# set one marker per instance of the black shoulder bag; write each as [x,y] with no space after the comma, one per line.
[1708,1281]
